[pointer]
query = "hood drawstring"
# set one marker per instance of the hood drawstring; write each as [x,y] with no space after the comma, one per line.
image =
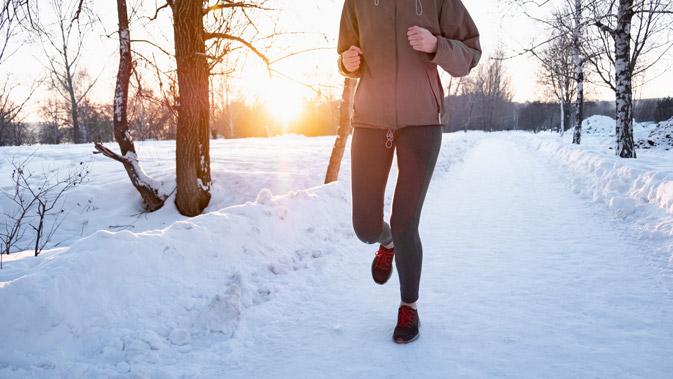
[419,6]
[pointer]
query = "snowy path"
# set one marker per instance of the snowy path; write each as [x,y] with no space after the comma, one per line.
[522,278]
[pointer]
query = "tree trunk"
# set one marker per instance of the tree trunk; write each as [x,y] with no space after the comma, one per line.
[74,113]
[565,115]
[579,72]
[579,103]
[193,143]
[343,132]
[623,89]
[151,197]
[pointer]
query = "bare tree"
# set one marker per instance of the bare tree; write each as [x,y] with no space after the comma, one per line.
[9,21]
[204,32]
[557,73]
[12,130]
[62,42]
[38,201]
[150,191]
[579,58]
[567,38]
[492,91]
[628,34]
[224,112]
[50,129]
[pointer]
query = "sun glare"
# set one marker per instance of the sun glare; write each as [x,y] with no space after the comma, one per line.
[284,101]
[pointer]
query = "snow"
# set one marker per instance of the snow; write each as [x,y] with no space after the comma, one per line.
[542,259]
[641,189]
[657,134]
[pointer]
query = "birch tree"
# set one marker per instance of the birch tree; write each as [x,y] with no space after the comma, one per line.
[567,25]
[629,32]
[579,59]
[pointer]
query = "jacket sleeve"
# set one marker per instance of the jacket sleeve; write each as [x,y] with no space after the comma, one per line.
[458,48]
[348,36]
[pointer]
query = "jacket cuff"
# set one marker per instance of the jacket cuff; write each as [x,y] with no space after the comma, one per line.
[443,53]
[452,58]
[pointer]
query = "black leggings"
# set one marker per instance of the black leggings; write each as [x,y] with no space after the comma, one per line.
[417,149]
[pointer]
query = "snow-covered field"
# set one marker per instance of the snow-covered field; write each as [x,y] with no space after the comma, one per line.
[542,259]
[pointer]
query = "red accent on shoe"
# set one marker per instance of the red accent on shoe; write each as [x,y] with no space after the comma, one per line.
[385,258]
[404,316]
[407,325]
[382,265]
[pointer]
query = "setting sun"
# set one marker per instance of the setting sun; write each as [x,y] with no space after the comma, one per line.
[284,101]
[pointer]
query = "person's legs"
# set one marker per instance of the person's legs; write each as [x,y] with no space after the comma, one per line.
[417,151]
[370,166]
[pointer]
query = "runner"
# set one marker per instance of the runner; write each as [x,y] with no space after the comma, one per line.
[394,48]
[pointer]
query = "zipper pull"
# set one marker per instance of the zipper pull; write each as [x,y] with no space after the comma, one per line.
[390,137]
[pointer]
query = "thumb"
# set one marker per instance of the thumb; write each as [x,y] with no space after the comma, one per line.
[356,49]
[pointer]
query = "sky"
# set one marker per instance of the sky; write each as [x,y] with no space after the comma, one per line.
[318,23]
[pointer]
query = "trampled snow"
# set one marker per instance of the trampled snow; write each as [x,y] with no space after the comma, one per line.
[542,259]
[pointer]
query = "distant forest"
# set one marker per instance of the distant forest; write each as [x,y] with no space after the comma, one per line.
[152,121]
[465,114]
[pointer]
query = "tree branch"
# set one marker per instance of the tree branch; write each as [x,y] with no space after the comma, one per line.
[101,149]
[156,14]
[231,4]
[605,28]
[153,44]
[208,36]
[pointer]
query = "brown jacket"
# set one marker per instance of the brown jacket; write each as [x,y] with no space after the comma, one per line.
[400,86]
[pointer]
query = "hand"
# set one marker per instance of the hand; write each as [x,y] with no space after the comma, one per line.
[351,58]
[421,39]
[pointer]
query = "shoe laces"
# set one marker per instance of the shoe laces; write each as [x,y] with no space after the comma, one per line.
[404,316]
[385,256]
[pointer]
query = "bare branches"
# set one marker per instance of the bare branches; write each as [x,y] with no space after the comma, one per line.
[39,202]
[78,12]
[208,36]
[153,44]
[299,52]
[156,14]
[63,46]
[604,28]
[650,37]
[226,4]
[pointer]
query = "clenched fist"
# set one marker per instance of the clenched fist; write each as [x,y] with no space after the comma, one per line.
[421,39]
[351,58]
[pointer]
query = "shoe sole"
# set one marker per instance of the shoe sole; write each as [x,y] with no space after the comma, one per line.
[400,341]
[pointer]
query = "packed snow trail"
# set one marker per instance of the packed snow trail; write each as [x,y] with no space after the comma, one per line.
[521,278]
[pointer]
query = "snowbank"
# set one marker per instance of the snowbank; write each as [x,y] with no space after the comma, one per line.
[600,125]
[659,134]
[627,186]
[118,298]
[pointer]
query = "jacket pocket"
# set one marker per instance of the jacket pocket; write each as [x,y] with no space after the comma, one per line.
[435,96]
